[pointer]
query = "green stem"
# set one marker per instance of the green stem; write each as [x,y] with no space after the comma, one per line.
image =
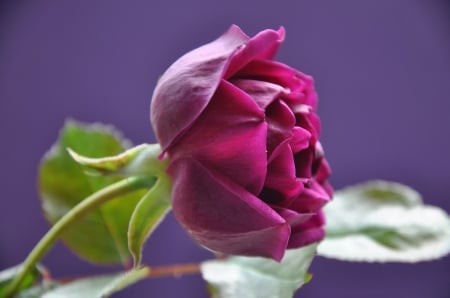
[76,213]
[176,270]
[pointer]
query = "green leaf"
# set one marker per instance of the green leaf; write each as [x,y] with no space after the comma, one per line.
[255,277]
[142,160]
[109,163]
[7,275]
[383,221]
[101,236]
[37,291]
[99,286]
[149,212]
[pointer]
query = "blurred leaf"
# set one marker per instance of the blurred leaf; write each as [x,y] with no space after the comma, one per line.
[98,286]
[383,221]
[148,214]
[37,291]
[101,236]
[109,163]
[7,275]
[255,277]
[142,160]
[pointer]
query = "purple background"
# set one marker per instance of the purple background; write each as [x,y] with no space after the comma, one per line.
[382,70]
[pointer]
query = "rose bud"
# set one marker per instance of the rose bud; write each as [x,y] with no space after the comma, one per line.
[241,133]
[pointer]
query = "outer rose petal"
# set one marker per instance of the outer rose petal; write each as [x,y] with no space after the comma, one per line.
[224,217]
[261,47]
[185,89]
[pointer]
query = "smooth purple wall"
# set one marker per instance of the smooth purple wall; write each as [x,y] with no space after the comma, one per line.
[382,70]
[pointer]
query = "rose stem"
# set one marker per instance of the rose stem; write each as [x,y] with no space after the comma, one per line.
[174,270]
[73,215]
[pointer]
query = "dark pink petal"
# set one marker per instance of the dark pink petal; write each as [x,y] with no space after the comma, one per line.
[186,88]
[322,171]
[293,218]
[229,137]
[273,197]
[273,72]
[258,243]
[319,150]
[281,121]
[311,199]
[303,163]
[279,117]
[311,122]
[300,139]
[305,93]
[222,215]
[262,46]
[308,232]
[263,93]
[281,175]
[327,188]
[300,108]
[301,88]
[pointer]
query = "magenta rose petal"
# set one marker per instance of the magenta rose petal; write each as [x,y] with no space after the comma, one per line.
[281,121]
[263,93]
[305,92]
[235,145]
[308,232]
[323,170]
[313,198]
[301,86]
[300,139]
[262,46]
[281,175]
[328,189]
[187,86]
[270,71]
[273,72]
[309,121]
[293,218]
[223,216]
[303,163]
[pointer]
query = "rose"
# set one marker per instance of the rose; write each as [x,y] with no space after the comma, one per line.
[241,134]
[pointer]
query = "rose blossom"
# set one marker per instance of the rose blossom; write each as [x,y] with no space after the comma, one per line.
[241,134]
